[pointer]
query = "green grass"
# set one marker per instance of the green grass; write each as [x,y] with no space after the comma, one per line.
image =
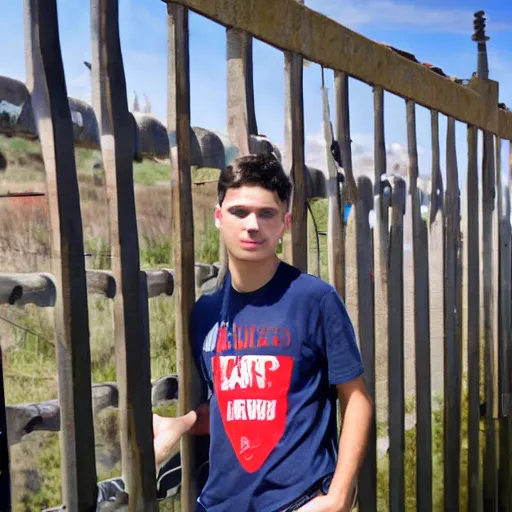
[19,145]
[151,173]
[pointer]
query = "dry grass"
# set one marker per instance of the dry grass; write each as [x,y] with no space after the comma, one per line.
[28,350]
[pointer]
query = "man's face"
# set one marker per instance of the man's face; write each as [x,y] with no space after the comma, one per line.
[251,222]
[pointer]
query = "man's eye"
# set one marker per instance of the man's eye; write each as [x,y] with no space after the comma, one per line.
[267,214]
[239,213]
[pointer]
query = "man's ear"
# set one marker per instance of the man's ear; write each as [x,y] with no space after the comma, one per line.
[287,220]
[218,216]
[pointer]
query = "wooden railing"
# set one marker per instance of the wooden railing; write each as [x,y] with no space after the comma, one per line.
[454,297]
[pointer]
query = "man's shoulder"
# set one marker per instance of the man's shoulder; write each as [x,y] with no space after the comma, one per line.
[308,285]
[208,302]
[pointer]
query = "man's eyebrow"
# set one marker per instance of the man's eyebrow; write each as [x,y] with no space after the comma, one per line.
[245,207]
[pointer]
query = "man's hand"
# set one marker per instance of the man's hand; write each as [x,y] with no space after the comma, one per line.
[325,503]
[330,503]
[167,433]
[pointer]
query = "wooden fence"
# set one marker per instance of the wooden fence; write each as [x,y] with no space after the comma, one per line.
[454,299]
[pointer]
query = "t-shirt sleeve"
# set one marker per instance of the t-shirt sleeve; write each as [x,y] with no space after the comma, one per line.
[339,341]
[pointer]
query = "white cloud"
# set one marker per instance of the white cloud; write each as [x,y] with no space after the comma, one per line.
[393,14]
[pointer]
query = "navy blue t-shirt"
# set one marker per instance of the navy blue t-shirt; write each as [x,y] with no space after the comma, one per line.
[271,359]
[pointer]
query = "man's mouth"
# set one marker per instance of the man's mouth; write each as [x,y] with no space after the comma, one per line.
[251,243]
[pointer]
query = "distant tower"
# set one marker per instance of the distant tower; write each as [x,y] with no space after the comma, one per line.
[136,106]
[480,37]
[147,105]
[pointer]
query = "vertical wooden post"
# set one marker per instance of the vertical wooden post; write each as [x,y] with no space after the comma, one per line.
[436,256]
[382,194]
[5,474]
[396,391]
[490,288]
[296,239]
[503,193]
[240,89]
[47,86]
[131,331]
[382,191]
[335,237]
[379,138]
[363,206]
[343,132]
[421,327]
[506,461]
[489,277]
[453,350]
[183,235]
[241,112]
[343,135]
[472,278]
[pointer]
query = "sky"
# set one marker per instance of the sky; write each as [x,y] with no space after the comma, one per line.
[438,32]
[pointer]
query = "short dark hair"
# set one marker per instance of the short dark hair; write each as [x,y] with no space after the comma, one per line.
[263,171]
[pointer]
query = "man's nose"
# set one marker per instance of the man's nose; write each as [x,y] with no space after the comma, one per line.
[251,222]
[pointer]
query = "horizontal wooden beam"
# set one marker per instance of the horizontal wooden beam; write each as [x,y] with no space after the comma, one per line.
[22,419]
[21,289]
[39,288]
[292,27]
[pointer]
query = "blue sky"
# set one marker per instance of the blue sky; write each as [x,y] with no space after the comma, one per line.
[436,31]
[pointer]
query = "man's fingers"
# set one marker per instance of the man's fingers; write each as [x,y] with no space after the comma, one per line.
[188,420]
[168,432]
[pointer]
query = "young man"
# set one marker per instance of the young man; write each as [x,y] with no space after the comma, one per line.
[276,348]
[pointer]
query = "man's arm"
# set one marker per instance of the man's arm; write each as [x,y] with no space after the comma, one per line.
[357,413]
[168,432]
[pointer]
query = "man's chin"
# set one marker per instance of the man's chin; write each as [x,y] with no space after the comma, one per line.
[253,255]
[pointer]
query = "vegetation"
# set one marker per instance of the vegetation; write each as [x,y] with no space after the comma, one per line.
[28,347]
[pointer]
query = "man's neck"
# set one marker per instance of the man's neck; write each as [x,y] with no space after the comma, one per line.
[248,276]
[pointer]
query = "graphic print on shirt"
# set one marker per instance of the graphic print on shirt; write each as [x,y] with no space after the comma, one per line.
[252,391]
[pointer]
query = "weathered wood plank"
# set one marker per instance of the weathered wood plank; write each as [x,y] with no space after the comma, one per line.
[504,304]
[183,233]
[343,133]
[39,288]
[437,190]
[313,35]
[453,351]
[379,138]
[382,194]
[294,162]
[5,473]
[47,86]
[507,464]
[396,405]
[490,311]
[335,238]
[101,282]
[436,258]
[241,117]
[130,325]
[30,288]
[22,419]
[421,327]
[349,190]
[366,335]
[472,279]
[240,97]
